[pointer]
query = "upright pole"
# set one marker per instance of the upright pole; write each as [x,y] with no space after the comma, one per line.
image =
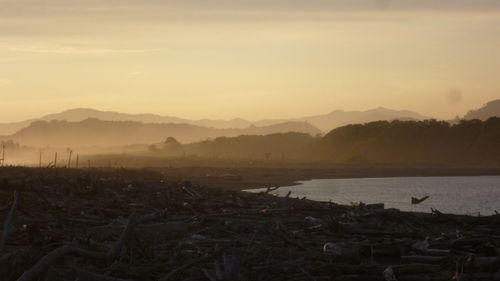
[2,161]
[40,159]
[77,158]
[69,159]
[55,160]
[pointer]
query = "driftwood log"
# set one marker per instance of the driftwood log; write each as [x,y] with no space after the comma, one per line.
[8,222]
[72,225]
[43,264]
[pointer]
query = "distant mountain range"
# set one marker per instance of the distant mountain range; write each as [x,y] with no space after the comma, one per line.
[98,133]
[339,118]
[89,127]
[325,122]
[491,109]
[80,114]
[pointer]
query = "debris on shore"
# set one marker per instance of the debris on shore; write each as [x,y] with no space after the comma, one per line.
[61,224]
[415,200]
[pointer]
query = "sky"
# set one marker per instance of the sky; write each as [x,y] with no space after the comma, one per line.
[254,59]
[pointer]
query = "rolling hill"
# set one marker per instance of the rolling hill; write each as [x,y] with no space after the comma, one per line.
[324,122]
[491,109]
[339,118]
[99,133]
[80,114]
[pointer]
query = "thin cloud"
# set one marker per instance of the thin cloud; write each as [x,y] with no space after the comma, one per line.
[70,50]
[145,9]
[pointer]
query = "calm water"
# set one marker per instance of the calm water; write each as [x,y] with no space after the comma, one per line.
[459,195]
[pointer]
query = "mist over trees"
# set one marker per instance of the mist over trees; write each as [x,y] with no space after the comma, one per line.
[98,133]
[430,142]
[280,146]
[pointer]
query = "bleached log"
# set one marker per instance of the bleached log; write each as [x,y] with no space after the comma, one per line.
[8,222]
[44,263]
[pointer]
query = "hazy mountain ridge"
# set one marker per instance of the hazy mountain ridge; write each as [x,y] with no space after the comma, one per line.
[10,128]
[491,109]
[95,132]
[338,118]
[80,114]
[324,122]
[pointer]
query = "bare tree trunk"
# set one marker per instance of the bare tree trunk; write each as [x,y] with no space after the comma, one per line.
[69,159]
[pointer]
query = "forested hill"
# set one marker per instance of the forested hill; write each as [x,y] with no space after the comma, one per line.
[429,142]
[415,142]
[282,146]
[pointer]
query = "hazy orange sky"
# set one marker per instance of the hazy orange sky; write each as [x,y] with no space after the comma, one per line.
[254,59]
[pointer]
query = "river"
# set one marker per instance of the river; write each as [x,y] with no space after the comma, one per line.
[459,195]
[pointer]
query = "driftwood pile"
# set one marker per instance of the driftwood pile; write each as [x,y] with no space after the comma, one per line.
[134,225]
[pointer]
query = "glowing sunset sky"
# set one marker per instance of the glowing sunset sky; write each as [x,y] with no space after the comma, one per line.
[253,59]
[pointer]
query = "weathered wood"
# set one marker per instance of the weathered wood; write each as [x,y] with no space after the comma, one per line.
[413,268]
[190,264]
[437,252]
[149,232]
[175,244]
[85,275]
[423,259]
[384,250]
[8,222]
[44,263]
[418,200]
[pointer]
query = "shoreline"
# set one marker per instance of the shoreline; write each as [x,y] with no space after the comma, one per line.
[244,178]
[187,228]
[255,178]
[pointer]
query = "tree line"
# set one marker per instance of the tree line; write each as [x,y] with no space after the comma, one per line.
[429,142]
